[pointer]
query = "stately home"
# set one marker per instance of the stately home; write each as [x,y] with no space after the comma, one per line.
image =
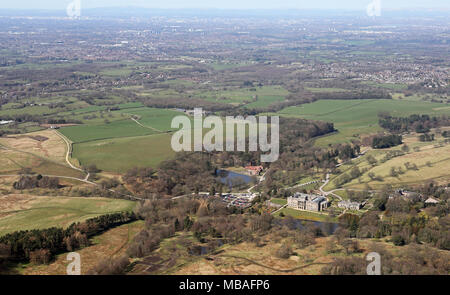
[301,201]
[350,205]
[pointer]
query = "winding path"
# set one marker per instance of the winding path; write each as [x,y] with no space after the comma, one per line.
[261,179]
[68,155]
[272,268]
[279,209]
[329,192]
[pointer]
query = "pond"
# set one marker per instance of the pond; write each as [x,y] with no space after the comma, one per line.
[199,250]
[232,178]
[327,227]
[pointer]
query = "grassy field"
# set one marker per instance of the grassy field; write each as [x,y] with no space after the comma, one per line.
[356,117]
[121,154]
[305,215]
[248,259]
[44,143]
[432,161]
[438,170]
[32,110]
[159,119]
[279,201]
[12,161]
[44,152]
[123,128]
[44,212]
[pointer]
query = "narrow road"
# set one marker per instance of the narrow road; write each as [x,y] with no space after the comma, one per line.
[303,184]
[327,180]
[261,179]
[148,127]
[281,208]
[330,192]
[68,154]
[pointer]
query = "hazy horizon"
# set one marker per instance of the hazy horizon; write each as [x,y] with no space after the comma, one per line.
[231,4]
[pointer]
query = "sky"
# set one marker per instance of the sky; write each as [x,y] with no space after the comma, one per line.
[228,4]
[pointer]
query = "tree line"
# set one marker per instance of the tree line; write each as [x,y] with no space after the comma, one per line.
[39,181]
[416,123]
[40,245]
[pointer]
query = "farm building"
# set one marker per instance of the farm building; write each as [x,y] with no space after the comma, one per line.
[254,170]
[350,205]
[407,195]
[431,201]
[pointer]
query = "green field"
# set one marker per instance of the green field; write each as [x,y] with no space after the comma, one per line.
[153,121]
[122,144]
[159,119]
[353,118]
[121,154]
[45,212]
[85,133]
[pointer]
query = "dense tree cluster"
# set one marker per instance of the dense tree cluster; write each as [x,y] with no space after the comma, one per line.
[353,95]
[416,123]
[386,141]
[187,173]
[426,137]
[188,104]
[39,181]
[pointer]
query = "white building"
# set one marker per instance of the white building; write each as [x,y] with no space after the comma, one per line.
[5,122]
